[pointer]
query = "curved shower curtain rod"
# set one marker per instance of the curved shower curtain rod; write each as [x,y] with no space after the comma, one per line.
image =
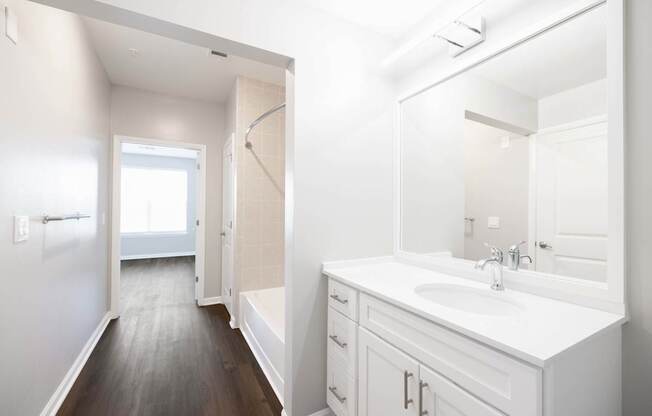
[257,121]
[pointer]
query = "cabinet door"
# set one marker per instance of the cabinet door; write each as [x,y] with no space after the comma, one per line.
[440,397]
[388,379]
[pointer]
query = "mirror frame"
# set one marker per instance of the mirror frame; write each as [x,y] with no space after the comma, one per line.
[610,295]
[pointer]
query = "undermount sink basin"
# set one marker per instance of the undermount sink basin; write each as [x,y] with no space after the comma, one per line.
[468,299]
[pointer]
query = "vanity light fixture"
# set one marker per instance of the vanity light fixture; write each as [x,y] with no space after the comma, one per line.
[462,35]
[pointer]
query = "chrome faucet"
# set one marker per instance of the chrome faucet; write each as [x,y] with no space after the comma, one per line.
[497,270]
[514,257]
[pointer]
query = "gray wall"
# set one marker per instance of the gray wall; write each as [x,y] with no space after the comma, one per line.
[54,154]
[637,334]
[143,114]
[157,245]
[496,183]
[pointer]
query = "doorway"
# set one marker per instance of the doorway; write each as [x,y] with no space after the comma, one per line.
[158,206]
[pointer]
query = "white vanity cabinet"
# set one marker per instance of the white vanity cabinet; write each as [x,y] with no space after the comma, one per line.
[386,361]
[388,378]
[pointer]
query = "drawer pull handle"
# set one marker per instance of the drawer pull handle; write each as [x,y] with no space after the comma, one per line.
[337,341]
[422,386]
[337,396]
[339,299]
[406,399]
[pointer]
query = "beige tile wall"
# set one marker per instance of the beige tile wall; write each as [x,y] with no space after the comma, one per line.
[260,186]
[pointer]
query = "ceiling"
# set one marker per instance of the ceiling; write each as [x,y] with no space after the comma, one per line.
[171,67]
[566,57]
[392,18]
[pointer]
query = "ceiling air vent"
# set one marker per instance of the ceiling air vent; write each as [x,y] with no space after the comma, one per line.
[218,53]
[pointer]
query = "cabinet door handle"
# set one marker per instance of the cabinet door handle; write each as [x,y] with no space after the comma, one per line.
[337,396]
[339,299]
[406,399]
[337,341]
[422,386]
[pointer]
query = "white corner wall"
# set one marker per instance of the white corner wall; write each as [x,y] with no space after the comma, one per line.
[637,333]
[139,113]
[54,159]
[586,101]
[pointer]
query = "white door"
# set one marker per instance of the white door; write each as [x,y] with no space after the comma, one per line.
[388,379]
[572,204]
[440,397]
[227,223]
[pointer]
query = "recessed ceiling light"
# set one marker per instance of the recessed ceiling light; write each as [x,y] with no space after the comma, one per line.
[133,51]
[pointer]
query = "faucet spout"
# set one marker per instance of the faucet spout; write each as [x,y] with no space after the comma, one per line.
[496,271]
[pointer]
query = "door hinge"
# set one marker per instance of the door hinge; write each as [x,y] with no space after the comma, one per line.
[198,166]
[229,291]
[197,222]
[197,279]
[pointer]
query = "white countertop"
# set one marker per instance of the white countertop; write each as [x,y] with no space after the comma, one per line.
[545,328]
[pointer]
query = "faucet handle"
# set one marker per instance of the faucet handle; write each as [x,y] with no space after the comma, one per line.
[495,251]
[516,246]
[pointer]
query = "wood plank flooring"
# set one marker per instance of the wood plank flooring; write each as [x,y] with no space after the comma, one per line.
[166,356]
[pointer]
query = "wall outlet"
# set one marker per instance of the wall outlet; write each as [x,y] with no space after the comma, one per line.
[11,25]
[493,222]
[21,228]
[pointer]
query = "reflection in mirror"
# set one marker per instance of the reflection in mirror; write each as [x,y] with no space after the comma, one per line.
[514,150]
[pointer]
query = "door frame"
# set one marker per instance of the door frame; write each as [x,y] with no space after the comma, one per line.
[115,243]
[230,143]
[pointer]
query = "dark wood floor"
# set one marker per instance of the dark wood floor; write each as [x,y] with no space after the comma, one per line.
[166,356]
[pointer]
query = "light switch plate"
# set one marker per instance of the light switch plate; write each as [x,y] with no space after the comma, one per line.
[493,222]
[11,25]
[21,228]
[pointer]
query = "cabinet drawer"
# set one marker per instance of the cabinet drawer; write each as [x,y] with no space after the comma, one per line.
[503,382]
[343,299]
[342,339]
[341,388]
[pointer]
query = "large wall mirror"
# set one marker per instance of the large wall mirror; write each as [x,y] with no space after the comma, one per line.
[516,150]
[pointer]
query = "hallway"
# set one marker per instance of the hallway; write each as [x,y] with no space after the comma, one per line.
[166,356]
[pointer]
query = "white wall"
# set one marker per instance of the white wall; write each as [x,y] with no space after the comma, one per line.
[585,101]
[498,102]
[637,334]
[139,113]
[54,154]
[432,165]
[143,245]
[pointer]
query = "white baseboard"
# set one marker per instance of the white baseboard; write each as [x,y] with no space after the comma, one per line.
[56,400]
[157,255]
[324,412]
[210,301]
[233,324]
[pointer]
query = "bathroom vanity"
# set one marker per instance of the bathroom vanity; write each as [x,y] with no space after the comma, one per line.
[505,294]
[399,345]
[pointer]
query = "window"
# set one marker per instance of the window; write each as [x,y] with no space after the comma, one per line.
[153,200]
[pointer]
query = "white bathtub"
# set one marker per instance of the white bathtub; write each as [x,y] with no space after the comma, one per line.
[262,322]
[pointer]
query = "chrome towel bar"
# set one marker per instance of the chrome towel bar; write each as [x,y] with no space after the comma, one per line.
[76,216]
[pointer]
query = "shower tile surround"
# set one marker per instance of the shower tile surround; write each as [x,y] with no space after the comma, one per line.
[260,186]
